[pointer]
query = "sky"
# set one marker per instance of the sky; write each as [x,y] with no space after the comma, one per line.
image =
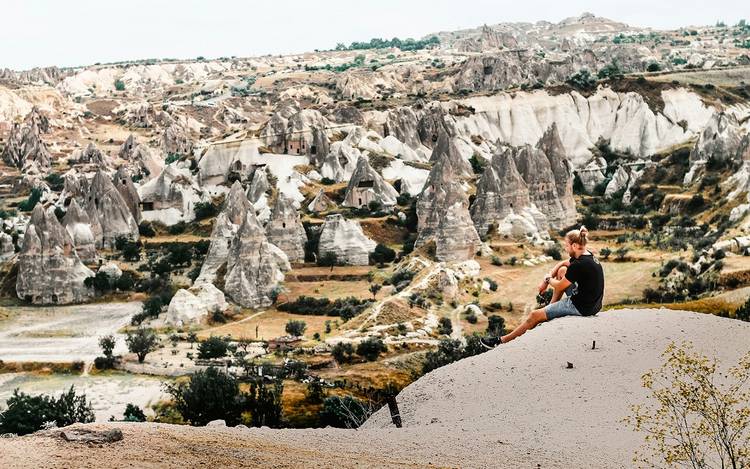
[83,32]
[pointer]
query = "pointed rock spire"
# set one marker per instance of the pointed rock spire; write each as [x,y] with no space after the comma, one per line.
[366,186]
[285,229]
[78,225]
[106,205]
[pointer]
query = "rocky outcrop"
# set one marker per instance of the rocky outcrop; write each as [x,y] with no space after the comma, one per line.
[338,165]
[321,203]
[255,267]
[140,159]
[236,208]
[49,270]
[551,145]
[171,197]
[592,174]
[76,221]
[443,208]
[26,150]
[7,250]
[528,225]
[535,168]
[285,229]
[126,188]
[345,240]
[109,212]
[176,141]
[366,186]
[720,141]
[190,306]
[500,191]
[91,155]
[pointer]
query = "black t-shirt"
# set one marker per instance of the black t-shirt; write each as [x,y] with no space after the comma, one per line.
[586,271]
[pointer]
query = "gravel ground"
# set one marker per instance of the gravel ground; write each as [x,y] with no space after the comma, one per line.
[516,406]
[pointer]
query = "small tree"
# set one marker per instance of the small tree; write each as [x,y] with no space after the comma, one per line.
[328,259]
[209,395]
[698,420]
[141,342]
[295,328]
[605,252]
[445,326]
[382,254]
[107,344]
[621,253]
[192,337]
[343,352]
[26,414]
[374,289]
[371,348]
[213,347]
[133,413]
[119,85]
[315,392]
[265,404]
[344,412]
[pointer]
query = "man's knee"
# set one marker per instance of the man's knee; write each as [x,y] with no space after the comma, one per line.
[561,272]
[535,317]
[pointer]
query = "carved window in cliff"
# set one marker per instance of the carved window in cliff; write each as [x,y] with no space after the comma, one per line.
[313,150]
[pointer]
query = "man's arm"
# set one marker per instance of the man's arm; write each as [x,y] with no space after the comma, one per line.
[553,272]
[561,284]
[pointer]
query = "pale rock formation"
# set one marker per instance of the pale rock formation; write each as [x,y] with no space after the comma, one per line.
[592,174]
[552,146]
[366,186]
[171,197]
[236,207]
[7,250]
[78,224]
[401,123]
[91,155]
[26,150]
[255,267]
[49,270]
[412,178]
[535,168]
[285,229]
[619,181]
[112,270]
[338,165]
[501,191]
[190,306]
[345,239]
[320,203]
[176,141]
[527,225]
[443,209]
[129,193]
[720,140]
[225,158]
[109,213]
[140,159]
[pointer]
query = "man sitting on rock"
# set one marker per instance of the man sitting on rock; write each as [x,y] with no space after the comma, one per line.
[580,278]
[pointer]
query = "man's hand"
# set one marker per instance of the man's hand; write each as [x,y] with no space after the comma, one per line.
[544,285]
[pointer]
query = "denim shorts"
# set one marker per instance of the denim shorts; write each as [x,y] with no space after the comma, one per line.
[563,307]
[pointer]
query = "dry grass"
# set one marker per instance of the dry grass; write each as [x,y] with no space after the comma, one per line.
[270,325]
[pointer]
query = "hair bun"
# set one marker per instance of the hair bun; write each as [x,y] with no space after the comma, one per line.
[583,229]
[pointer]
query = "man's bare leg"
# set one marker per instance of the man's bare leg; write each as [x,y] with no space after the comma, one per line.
[534,318]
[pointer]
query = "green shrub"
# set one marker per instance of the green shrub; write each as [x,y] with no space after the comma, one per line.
[445,326]
[343,352]
[27,414]
[371,348]
[295,328]
[343,412]
[133,413]
[141,342]
[213,347]
[209,395]
[29,204]
[495,325]
[119,85]
[382,254]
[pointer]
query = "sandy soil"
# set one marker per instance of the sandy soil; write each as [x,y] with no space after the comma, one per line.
[516,406]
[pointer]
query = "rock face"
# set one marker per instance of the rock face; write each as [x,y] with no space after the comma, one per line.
[443,208]
[321,203]
[551,145]
[720,140]
[255,267]
[236,208]
[25,148]
[78,225]
[140,158]
[129,193]
[366,186]
[345,239]
[175,141]
[49,270]
[171,197]
[338,165]
[109,212]
[500,191]
[285,229]
[6,246]
[91,155]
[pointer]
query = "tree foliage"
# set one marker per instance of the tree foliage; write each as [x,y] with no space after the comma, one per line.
[26,414]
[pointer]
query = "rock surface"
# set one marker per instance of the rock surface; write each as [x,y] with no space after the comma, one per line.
[190,306]
[49,270]
[129,193]
[320,203]
[78,224]
[366,186]
[255,267]
[285,229]
[109,212]
[345,239]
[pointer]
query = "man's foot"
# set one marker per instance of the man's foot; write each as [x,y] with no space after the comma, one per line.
[490,342]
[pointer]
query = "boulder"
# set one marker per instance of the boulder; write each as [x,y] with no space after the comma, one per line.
[91,155]
[112,270]
[720,140]
[366,186]
[255,267]
[6,246]
[49,270]
[345,239]
[285,229]
[76,221]
[190,306]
